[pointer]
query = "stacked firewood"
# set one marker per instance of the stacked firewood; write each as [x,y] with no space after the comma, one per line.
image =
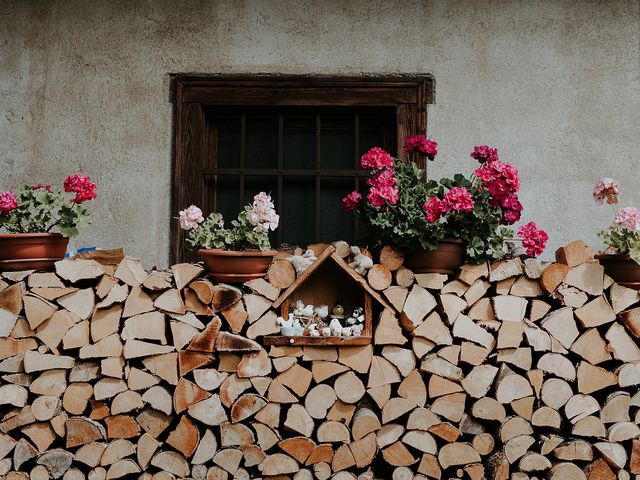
[517,369]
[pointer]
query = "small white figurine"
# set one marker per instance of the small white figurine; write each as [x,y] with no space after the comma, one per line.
[297,328]
[336,327]
[302,262]
[298,307]
[357,330]
[326,332]
[346,332]
[281,322]
[307,311]
[322,311]
[360,263]
[313,330]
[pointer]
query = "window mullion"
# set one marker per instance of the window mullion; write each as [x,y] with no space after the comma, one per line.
[356,178]
[243,153]
[317,175]
[280,171]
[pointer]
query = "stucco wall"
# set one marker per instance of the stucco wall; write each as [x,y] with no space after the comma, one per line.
[555,85]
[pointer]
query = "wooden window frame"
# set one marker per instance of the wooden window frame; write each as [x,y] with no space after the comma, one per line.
[193,94]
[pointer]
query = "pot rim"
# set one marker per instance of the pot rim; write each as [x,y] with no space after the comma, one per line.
[613,256]
[237,253]
[452,240]
[31,235]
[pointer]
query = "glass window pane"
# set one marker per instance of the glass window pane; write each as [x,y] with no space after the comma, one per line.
[334,223]
[369,138]
[228,151]
[299,142]
[262,142]
[227,196]
[337,143]
[255,185]
[297,219]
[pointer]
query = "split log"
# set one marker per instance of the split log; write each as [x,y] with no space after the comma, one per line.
[574,253]
[418,305]
[379,277]
[281,273]
[172,462]
[185,273]
[278,464]
[349,388]
[391,257]
[457,453]
[553,276]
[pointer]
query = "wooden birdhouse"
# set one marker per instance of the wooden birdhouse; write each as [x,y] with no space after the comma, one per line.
[328,281]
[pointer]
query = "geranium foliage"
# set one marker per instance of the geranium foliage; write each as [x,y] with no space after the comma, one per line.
[43,208]
[402,208]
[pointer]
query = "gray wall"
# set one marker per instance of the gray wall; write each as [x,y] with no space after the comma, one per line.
[554,85]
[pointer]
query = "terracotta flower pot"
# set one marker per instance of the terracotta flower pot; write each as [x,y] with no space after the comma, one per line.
[31,251]
[447,258]
[621,268]
[231,266]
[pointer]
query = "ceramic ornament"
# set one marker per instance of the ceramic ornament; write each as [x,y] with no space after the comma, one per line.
[322,311]
[302,262]
[360,263]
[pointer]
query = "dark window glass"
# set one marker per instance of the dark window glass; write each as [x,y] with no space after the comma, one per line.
[306,158]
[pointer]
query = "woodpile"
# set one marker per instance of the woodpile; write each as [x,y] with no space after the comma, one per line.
[515,370]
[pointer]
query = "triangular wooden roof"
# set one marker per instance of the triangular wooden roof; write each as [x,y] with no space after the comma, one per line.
[329,254]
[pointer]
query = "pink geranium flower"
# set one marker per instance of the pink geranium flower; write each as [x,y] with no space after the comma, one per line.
[458,199]
[629,218]
[8,202]
[350,202]
[41,186]
[263,214]
[534,239]
[82,186]
[421,145]
[382,178]
[484,153]
[379,196]
[433,209]
[511,210]
[376,158]
[606,189]
[190,218]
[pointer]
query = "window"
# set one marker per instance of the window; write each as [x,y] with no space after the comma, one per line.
[299,138]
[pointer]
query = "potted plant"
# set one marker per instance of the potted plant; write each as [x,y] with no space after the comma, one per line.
[621,260]
[39,220]
[239,253]
[442,223]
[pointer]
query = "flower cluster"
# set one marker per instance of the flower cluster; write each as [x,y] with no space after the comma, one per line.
[263,214]
[381,182]
[606,189]
[484,153]
[629,219]
[623,235]
[248,232]
[501,180]
[82,186]
[382,188]
[190,218]
[41,186]
[534,239]
[421,145]
[42,208]
[457,199]
[376,159]
[403,209]
[8,203]
[351,201]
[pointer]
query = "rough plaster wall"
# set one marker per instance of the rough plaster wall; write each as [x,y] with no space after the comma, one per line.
[555,85]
